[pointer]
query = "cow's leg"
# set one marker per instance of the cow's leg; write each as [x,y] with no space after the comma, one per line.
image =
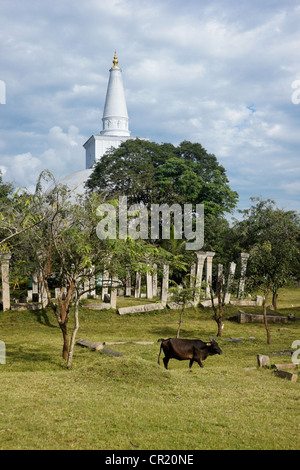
[197,358]
[191,363]
[199,362]
[166,360]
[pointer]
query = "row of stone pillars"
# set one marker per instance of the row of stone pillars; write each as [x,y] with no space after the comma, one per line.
[39,294]
[197,275]
[151,285]
[197,270]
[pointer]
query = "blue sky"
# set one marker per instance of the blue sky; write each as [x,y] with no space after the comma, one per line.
[216,72]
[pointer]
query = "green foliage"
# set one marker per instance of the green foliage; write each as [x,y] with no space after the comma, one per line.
[153,173]
[272,237]
[17,215]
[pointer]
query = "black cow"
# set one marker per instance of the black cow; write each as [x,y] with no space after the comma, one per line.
[184,349]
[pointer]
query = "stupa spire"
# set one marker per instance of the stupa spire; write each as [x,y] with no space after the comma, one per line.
[115,116]
[115,61]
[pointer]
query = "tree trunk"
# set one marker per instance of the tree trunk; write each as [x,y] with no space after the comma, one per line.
[217,317]
[274,300]
[71,349]
[180,321]
[265,316]
[63,317]
[65,351]
[220,305]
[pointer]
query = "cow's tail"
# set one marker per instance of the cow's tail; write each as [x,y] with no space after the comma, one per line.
[160,340]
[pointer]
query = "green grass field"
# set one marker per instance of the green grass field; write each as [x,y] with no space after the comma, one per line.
[132,403]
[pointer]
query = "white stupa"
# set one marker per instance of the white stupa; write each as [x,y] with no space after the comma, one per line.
[115,120]
[115,130]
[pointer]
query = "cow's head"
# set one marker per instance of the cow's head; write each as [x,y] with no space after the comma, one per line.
[213,348]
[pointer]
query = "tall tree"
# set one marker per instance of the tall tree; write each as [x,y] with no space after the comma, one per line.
[271,236]
[17,214]
[162,173]
[66,243]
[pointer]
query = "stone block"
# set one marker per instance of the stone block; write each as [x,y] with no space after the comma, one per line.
[290,365]
[242,317]
[263,360]
[97,306]
[177,306]
[140,308]
[283,374]
[208,303]
[57,292]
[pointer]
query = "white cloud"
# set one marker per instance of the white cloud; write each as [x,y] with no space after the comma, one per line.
[220,73]
[65,150]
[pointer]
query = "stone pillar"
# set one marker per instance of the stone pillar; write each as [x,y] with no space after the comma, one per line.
[128,282]
[209,259]
[35,288]
[85,287]
[149,286]
[113,292]
[57,292]
[35,285]
[154,281]
[244,261]
[92,283]
[5,257]
[201,255]
[93,287]
[192,276]
[219,277]
[165,285]
[137,290]
[105,279]
[220,272]
[231,272]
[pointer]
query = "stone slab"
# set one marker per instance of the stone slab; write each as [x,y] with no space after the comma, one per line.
[290,365]
[140,308]
[251,318]
[89,344]
[97,306]
[177,306]
[263,360]
[26,306]
[207,303]
[98,347]
[283,374]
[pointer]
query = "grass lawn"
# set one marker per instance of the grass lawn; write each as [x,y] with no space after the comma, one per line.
[132,403]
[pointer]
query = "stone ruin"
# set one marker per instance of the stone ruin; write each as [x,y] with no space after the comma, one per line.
[201,271]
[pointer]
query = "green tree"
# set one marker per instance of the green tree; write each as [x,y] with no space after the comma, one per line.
[271,236]
[163,173]
[65,242]
[17,209]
